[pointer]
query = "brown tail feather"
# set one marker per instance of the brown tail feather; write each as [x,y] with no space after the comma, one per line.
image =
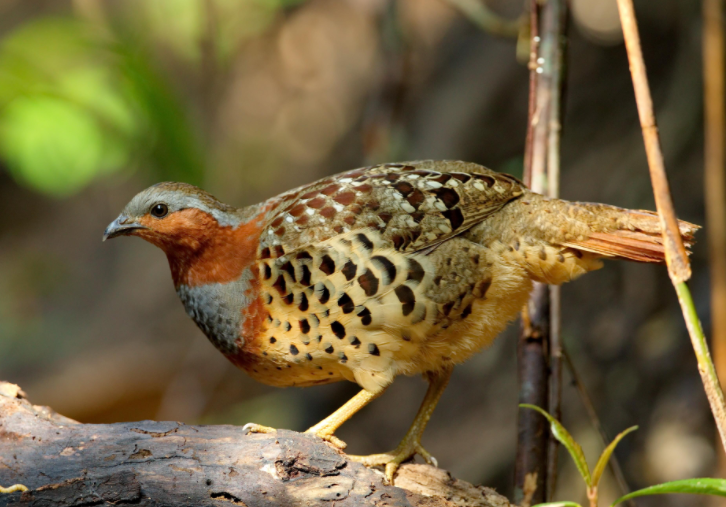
[637,239]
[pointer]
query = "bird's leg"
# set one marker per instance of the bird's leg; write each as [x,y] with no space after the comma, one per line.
[411,443]
[325,428]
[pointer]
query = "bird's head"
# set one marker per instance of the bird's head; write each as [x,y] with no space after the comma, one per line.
[177,217]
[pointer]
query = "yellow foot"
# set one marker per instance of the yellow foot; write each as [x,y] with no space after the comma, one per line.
[257,428]
[328,437]
[391,460]
[13,489]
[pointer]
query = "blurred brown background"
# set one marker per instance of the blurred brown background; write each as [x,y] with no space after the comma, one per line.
[247,98]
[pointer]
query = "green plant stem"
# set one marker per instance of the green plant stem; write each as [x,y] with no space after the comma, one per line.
[703,356]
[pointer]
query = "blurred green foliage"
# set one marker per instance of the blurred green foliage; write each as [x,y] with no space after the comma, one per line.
[82,97]
[63,121]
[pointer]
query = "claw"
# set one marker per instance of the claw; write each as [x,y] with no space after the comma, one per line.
[392,460]
[426,455]
[257,428]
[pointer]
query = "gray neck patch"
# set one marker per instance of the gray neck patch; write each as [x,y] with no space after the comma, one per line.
[217,310]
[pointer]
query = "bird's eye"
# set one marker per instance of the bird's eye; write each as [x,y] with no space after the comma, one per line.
[159,210]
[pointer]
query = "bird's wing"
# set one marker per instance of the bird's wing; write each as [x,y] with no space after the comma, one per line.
[414,205]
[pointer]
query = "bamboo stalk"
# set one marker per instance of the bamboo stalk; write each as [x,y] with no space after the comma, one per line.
[679,267]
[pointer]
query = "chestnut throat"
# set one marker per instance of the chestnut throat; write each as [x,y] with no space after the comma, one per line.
[217,281]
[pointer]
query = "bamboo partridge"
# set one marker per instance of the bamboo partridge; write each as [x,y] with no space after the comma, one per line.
[405,268]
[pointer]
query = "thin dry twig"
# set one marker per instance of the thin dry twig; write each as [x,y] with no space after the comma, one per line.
[679,267]
[715,178]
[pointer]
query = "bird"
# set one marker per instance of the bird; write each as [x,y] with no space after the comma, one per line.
[394,269]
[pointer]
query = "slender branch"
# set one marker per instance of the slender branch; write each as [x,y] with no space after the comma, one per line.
[679,267]
[532,433]
[554,20]
[540,351]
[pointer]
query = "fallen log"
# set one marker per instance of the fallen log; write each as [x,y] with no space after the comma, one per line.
[148,463]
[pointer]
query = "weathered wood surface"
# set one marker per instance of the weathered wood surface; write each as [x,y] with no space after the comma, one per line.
[64,463]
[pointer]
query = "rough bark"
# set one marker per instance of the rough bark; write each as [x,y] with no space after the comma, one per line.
[65,463]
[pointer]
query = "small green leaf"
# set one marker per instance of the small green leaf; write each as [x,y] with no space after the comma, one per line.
[707,486]
[558,504]
[605,456]
[564,437]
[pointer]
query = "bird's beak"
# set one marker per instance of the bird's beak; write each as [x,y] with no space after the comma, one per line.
[122,226]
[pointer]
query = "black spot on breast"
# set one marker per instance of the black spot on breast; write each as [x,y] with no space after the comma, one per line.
[324,294]
[273,339]
[293,350]
[466,312]
[290,270]
[305,279]
[455,217]
[267,272]
[385,265]
[346,303]
[303,255]
[354,341]
[415,271]
[287,326]
[280,285]
[349,270]
[343,357]
[268,298]
[304,304]
[373,349]
[449,197]
[327,265]
[304,326]
[407,298]
[308,356]
[329,349]
[338,329]
[367,243]
[289,299]
[365,316]
[369,283]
